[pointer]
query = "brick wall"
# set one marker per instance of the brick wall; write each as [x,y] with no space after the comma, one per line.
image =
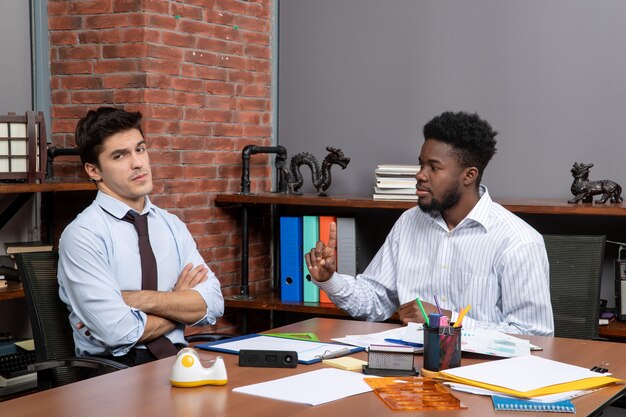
[200,72]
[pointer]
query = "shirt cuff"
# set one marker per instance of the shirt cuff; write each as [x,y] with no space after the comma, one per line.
[333,286]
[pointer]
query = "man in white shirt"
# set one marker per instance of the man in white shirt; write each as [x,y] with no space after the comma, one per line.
[457,245]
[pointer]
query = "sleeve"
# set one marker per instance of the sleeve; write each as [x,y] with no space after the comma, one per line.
[210,290]
[525,291]
[372,295]
[95,298]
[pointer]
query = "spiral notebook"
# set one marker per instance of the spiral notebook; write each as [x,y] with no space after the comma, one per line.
[516,404]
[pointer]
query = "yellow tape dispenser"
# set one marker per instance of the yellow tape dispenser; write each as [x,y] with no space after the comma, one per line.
[189,372]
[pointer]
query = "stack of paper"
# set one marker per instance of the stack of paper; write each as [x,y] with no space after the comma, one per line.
[528,377]
[395,182]
[486,342]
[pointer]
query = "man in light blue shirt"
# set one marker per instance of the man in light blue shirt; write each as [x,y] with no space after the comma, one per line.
[457,245]
[100,272]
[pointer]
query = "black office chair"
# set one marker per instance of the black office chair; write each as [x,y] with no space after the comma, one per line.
[575,277]
[56,363]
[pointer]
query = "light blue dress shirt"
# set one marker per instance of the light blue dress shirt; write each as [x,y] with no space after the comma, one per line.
[492,260]
[99,258]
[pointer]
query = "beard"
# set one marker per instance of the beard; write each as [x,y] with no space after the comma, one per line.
[436,207]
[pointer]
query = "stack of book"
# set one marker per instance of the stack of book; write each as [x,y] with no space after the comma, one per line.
[395,182]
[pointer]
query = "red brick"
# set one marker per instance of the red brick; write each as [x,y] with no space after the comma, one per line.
[260,38]
[132,50]
[120,81]
[106,21]
[81,83]
[63,38]
[215,102]
[256,91]
[127,6]
[248,117]
[188,99]
[197,157]
[258,51]
[111,66]
[129,96]
[252,104]
[159,96]
[191,128]
[65,23]
[217,45]
[79,52]
[167,171]
[197,28]
[258,65]
[232,6]
[165,52]
[187,84]
[92,97]
[90,7]
[252,23]
[201,57]
[229,61]
[187,12]
[210,73]
[178,39]
[217,16]
[227,33]
[160,66]
[219,88]
[158,6]
[71,67]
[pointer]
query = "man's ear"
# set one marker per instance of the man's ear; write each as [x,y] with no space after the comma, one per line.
[93,172]
[471,175]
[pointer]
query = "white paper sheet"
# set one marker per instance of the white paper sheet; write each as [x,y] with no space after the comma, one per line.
[311,388]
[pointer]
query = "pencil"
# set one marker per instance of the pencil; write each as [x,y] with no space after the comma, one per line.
[462,315]
[437,304]
[419,303]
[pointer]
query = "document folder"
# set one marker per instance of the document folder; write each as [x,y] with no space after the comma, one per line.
[310,235]
[291,258]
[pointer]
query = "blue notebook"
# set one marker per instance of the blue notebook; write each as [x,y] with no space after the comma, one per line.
[518,404]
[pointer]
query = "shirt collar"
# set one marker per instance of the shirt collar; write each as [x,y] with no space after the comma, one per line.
[481,211]
[115,207]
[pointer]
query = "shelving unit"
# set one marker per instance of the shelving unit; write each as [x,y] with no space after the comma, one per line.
[271,300]
[23,192]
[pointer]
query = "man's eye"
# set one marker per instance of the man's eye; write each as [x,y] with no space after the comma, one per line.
[139,150]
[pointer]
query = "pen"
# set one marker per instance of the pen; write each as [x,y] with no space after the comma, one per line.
[437,304]
[403,342]
[332,355]
[461,316]
[419,303]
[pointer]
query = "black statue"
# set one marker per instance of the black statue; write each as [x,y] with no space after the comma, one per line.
[583,189]
[321,175]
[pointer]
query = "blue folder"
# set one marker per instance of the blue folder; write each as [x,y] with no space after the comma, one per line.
[308,351]
[291,258]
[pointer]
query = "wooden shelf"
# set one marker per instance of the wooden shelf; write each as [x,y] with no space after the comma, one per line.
[614,331]
[271,301]
[44,187]
[11,291]
[529,206]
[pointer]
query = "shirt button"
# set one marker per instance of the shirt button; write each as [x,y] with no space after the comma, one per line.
[444,266]
[444,298]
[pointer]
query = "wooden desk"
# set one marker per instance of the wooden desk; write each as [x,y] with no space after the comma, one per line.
[145,390]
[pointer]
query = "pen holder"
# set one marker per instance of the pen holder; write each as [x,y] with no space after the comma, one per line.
[442,348]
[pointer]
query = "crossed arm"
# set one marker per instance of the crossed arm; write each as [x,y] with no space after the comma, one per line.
[165,309]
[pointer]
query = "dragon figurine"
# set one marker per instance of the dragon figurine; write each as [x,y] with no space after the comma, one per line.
[320,175]
[584,190]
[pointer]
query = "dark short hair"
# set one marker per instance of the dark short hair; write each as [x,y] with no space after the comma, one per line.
[472,138]
[97,125]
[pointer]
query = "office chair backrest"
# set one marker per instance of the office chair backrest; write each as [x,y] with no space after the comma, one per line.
[48,316]
[575,277]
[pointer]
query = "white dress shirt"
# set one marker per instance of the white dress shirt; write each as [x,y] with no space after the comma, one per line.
[99,258]
[492,260]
